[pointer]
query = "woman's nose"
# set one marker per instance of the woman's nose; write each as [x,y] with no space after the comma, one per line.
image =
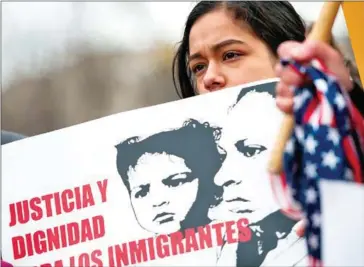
[226,181]
[160,204]
[214,79]
[225,178]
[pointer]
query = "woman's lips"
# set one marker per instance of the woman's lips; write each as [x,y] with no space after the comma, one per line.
[239,205]
[163,217]
[237,199]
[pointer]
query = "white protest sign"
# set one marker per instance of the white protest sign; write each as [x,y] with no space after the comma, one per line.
[342,223]
[179,184]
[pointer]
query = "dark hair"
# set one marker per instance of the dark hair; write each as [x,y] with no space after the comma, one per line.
[261,88]
[196,143]
[274,22]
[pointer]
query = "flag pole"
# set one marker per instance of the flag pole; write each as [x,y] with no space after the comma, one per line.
[321,31]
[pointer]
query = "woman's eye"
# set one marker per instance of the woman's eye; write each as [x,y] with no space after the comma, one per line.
[178,180]
[197,68]
[142,192]
[231,55]
[249,150]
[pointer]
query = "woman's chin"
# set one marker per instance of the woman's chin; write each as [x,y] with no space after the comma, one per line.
[166,228]
[224,214]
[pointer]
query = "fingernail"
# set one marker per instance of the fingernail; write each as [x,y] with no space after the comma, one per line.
[300,228]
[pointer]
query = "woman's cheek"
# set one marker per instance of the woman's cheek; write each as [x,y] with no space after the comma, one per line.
[140,206]
[185,195]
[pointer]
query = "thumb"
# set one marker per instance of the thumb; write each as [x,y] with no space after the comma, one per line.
[299,228]
[315,49]
[332,59]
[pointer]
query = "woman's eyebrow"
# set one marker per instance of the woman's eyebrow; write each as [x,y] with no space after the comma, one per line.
[175,174]
[139,186]
[240,142]
[216,47]
[226,43]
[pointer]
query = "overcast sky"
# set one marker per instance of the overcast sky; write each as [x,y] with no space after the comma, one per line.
[34,32]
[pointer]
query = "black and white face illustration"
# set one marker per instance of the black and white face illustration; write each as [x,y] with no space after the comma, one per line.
[162,191]
[169,176]
[248,135]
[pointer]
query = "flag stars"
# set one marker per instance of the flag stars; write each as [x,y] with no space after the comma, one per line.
[329,159]
[311,145]
[298,100]
[314,151]
[311,170]
[299,133]
[316,220]
[311,196]
[289,147]
[313,242]
[321,85]
[348,175]
[339,101]
[333,136]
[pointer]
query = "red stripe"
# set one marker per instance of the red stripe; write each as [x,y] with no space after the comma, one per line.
[320,98]
[283,181]
[292,213]
[358,122]
[352,157]
[286,207]
[289,209]
[296,70]
[333,122]
[358,125]
[323,67]
[310,110]
[282,185]
[273,178]
[313,262]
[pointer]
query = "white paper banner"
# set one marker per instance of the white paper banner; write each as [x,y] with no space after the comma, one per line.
[179,184]
[342,223]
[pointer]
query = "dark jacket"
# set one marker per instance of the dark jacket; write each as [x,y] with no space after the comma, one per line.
[357,96]
[247,253]
[8,137]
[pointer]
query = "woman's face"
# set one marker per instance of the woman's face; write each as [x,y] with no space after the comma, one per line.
[224,53]
[247,138]
[163,190]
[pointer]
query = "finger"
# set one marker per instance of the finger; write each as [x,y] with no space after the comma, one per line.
[315,49]
[300,228]
[285,104]
[331,57]
[291,77]
[283,90]
[285,49]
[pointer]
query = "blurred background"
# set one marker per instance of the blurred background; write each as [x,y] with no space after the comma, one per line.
[65,63]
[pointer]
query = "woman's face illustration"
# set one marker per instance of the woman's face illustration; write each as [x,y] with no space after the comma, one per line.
[163,190]
[247,138]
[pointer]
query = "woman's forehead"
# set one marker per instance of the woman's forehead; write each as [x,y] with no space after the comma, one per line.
[251,105]
[214,27]
[156,165]
[252,117]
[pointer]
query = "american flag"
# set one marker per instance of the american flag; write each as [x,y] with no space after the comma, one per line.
[327,142]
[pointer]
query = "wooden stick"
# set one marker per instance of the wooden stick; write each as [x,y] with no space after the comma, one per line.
[321,31]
